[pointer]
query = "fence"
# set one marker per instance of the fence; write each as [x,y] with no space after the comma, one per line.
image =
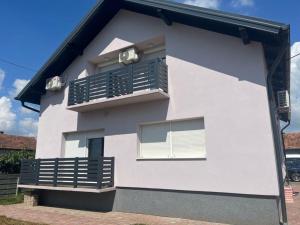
[8,185]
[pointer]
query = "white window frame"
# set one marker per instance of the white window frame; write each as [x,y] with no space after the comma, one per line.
[139,143]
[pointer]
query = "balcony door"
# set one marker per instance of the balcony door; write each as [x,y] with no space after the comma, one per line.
[95,151]
[95,148]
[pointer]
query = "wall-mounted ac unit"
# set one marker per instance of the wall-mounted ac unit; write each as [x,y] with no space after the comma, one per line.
[283,100]
[54,84]
[128,56]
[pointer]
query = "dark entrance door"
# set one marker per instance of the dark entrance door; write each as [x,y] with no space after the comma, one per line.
[95,151]
[95,147]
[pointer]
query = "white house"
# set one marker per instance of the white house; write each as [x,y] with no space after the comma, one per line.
[166,109]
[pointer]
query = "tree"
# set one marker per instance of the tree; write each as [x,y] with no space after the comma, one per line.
[11,162]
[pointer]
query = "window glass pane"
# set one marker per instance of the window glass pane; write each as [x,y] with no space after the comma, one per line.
[155,141]
[188,139]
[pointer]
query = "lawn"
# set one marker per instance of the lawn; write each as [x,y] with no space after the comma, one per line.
[12,200]
[8,221]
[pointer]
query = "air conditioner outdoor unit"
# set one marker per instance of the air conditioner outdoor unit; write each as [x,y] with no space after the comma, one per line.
[128,56]
[283,100]
[54,84]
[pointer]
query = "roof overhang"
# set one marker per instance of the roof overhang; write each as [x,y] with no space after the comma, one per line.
[271,34]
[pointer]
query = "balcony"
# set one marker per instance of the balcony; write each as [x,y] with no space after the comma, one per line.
[69,174]
[140,82]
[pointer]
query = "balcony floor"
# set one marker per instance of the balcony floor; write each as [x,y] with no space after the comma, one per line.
[136,97]
[61,188]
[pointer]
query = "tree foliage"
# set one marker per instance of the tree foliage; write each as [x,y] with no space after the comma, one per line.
[11,162]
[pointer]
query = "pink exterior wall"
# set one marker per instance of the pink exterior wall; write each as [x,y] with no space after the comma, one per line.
[210,75]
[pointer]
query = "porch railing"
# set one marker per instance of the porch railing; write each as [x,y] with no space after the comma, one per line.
[151,74]
[74,172]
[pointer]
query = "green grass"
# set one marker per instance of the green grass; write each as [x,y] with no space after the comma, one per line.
[12,200]
[8,221]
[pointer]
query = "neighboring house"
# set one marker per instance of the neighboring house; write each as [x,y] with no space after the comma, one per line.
[190,129]
[12,143]
[292,144]
[292,152]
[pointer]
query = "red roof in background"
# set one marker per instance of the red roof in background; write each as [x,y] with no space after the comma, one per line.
[17,142]
[292,140]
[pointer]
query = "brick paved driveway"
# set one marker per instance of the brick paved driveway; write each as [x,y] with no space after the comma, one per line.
[294,208]
[58,216]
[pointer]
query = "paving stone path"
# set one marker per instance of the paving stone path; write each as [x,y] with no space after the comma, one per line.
[58,216]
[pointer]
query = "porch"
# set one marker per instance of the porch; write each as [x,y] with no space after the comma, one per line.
[68,174]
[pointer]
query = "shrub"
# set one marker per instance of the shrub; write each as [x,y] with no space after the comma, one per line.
[11,162]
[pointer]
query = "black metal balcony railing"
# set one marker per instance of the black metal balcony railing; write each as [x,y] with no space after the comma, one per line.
[146,75]
[74,172]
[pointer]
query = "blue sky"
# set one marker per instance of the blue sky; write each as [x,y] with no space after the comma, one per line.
[31,31]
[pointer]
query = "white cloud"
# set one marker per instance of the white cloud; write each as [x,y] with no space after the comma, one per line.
[295,90]
[213,4]
[18,85]
[23,110]
[242,3]
[2,76]
[28,126]
[7,116]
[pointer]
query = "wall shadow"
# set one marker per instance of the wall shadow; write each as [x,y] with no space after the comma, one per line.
[103,202]
[123,119]
[222,53]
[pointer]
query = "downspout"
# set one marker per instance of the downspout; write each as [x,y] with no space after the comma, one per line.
[282,136]
[282,132]
[28,107]
[276,131]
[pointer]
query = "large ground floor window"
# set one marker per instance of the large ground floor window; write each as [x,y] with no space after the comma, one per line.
[173,139]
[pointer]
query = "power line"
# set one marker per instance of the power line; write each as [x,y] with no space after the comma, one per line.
[295,55]
[17,65]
